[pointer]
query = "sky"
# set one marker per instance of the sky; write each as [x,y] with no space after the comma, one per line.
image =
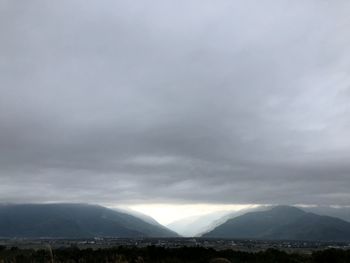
[185,103]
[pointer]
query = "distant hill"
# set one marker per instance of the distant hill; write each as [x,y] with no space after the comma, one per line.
[73,221]
[140,215]
[231,215]
[195,225]
[339,212]
[283,223]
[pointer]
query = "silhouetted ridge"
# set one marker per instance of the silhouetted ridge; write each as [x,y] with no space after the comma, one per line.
[73,221]
[283,223]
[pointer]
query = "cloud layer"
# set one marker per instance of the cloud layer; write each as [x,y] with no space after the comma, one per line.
[175,101]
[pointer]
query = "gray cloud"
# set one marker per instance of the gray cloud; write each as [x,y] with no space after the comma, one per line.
[175,101]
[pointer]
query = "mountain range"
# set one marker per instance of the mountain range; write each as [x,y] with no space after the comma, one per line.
[74,221]
[86,221]
[283,223]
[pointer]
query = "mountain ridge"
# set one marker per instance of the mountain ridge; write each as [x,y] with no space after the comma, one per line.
[73,221]
[283,223]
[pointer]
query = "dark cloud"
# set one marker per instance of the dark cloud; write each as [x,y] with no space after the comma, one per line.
[175,101]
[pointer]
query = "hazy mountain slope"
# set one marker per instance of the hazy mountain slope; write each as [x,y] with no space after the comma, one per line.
[339,212]
[231,215]
[283,222]
[140,215]
[73,220]
[197,225]
[314,227]
[146,218]
[194,225]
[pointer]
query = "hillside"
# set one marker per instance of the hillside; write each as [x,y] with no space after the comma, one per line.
[73,221]
[283,223]
[195,225]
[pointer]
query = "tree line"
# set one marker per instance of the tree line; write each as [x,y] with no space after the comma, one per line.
[153,254]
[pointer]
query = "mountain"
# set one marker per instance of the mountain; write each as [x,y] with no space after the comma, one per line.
[195,225]
[140,215]
[73,221]
[148,219]
[231,215]
[342,212]
[283,223]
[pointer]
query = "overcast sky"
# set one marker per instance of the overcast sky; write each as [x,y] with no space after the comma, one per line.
[175,102]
